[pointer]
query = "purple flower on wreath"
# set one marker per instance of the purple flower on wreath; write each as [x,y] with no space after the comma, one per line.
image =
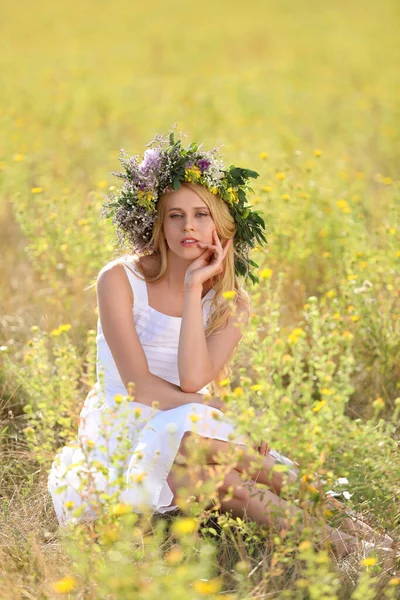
[151,160]
[203,164]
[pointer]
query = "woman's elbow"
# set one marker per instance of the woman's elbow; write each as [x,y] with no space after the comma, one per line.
[191,386]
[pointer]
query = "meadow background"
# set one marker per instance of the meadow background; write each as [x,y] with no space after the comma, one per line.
[308,95]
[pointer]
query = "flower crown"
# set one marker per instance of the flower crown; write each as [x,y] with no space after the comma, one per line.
[165,165]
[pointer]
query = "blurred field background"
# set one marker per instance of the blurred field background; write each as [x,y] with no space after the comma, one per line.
[308,95]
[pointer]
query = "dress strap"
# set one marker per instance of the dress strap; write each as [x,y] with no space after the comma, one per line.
[138,284]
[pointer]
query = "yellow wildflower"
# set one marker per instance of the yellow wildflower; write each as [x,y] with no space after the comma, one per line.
[327,391]
[36,190]
[208,587]
[238,391]
[331,293]
[137,412]
[394,581]
[90,444]
[285,197]
[319,405]
[18,157]
[214,190]
[355,318]
[102,184]
[347,335]
[387,180]
[194,418]
[69,504]
[64,585]
[295,335]
[224,382]
[184,526]
[256,387]
[263,155]
[326,254]
[267,188]
[304,195]
[369,562]
[65,327]
[229,294]
[317,153]
[121,509]
[233,194]
[280,176]
[265,273]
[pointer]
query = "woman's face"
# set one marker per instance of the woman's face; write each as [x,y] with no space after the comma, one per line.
[186,215]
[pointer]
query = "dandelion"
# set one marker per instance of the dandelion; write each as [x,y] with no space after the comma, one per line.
[238,391]
[263,155]
[317,153]
[280,176]
[285,197]
[331,293]
[65,327]
[355,318]
[64,585]
[36,190]
[18,157]
[267,188]
[392,231]
[327,391]
[118,398]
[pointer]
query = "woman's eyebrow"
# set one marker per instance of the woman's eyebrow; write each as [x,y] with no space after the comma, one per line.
[194,208]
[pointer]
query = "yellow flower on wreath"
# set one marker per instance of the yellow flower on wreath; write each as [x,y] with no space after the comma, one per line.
[192,174]
[233,195]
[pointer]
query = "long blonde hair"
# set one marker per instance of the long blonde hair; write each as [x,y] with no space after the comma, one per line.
[220,308]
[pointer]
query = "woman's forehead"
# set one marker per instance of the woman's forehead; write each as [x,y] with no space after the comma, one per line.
[184,199]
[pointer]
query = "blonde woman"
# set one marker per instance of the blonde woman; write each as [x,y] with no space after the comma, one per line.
[167,333]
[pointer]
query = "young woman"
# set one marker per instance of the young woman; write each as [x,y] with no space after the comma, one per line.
[166,333]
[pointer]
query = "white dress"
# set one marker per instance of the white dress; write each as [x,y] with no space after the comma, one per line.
[120,440]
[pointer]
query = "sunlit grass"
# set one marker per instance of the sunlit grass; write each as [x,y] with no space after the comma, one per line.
[307,95]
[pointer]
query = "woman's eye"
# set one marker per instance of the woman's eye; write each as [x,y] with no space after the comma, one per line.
[202,214]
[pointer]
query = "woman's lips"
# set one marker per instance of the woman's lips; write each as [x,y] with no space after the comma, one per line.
[189,243]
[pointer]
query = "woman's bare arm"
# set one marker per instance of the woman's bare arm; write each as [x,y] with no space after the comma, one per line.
[115,301]
[211,353]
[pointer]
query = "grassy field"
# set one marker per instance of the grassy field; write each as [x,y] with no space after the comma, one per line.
[308,95]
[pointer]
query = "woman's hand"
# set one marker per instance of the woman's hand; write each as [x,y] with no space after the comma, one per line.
[217,403]
[202,268]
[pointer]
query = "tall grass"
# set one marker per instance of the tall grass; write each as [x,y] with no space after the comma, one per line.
[308,95]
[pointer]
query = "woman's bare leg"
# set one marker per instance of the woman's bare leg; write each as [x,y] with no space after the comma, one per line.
[258,468]
[246,498]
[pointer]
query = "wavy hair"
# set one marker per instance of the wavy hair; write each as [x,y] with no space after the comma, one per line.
[220,308]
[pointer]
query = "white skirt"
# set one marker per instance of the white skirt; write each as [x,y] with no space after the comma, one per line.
[128,450]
